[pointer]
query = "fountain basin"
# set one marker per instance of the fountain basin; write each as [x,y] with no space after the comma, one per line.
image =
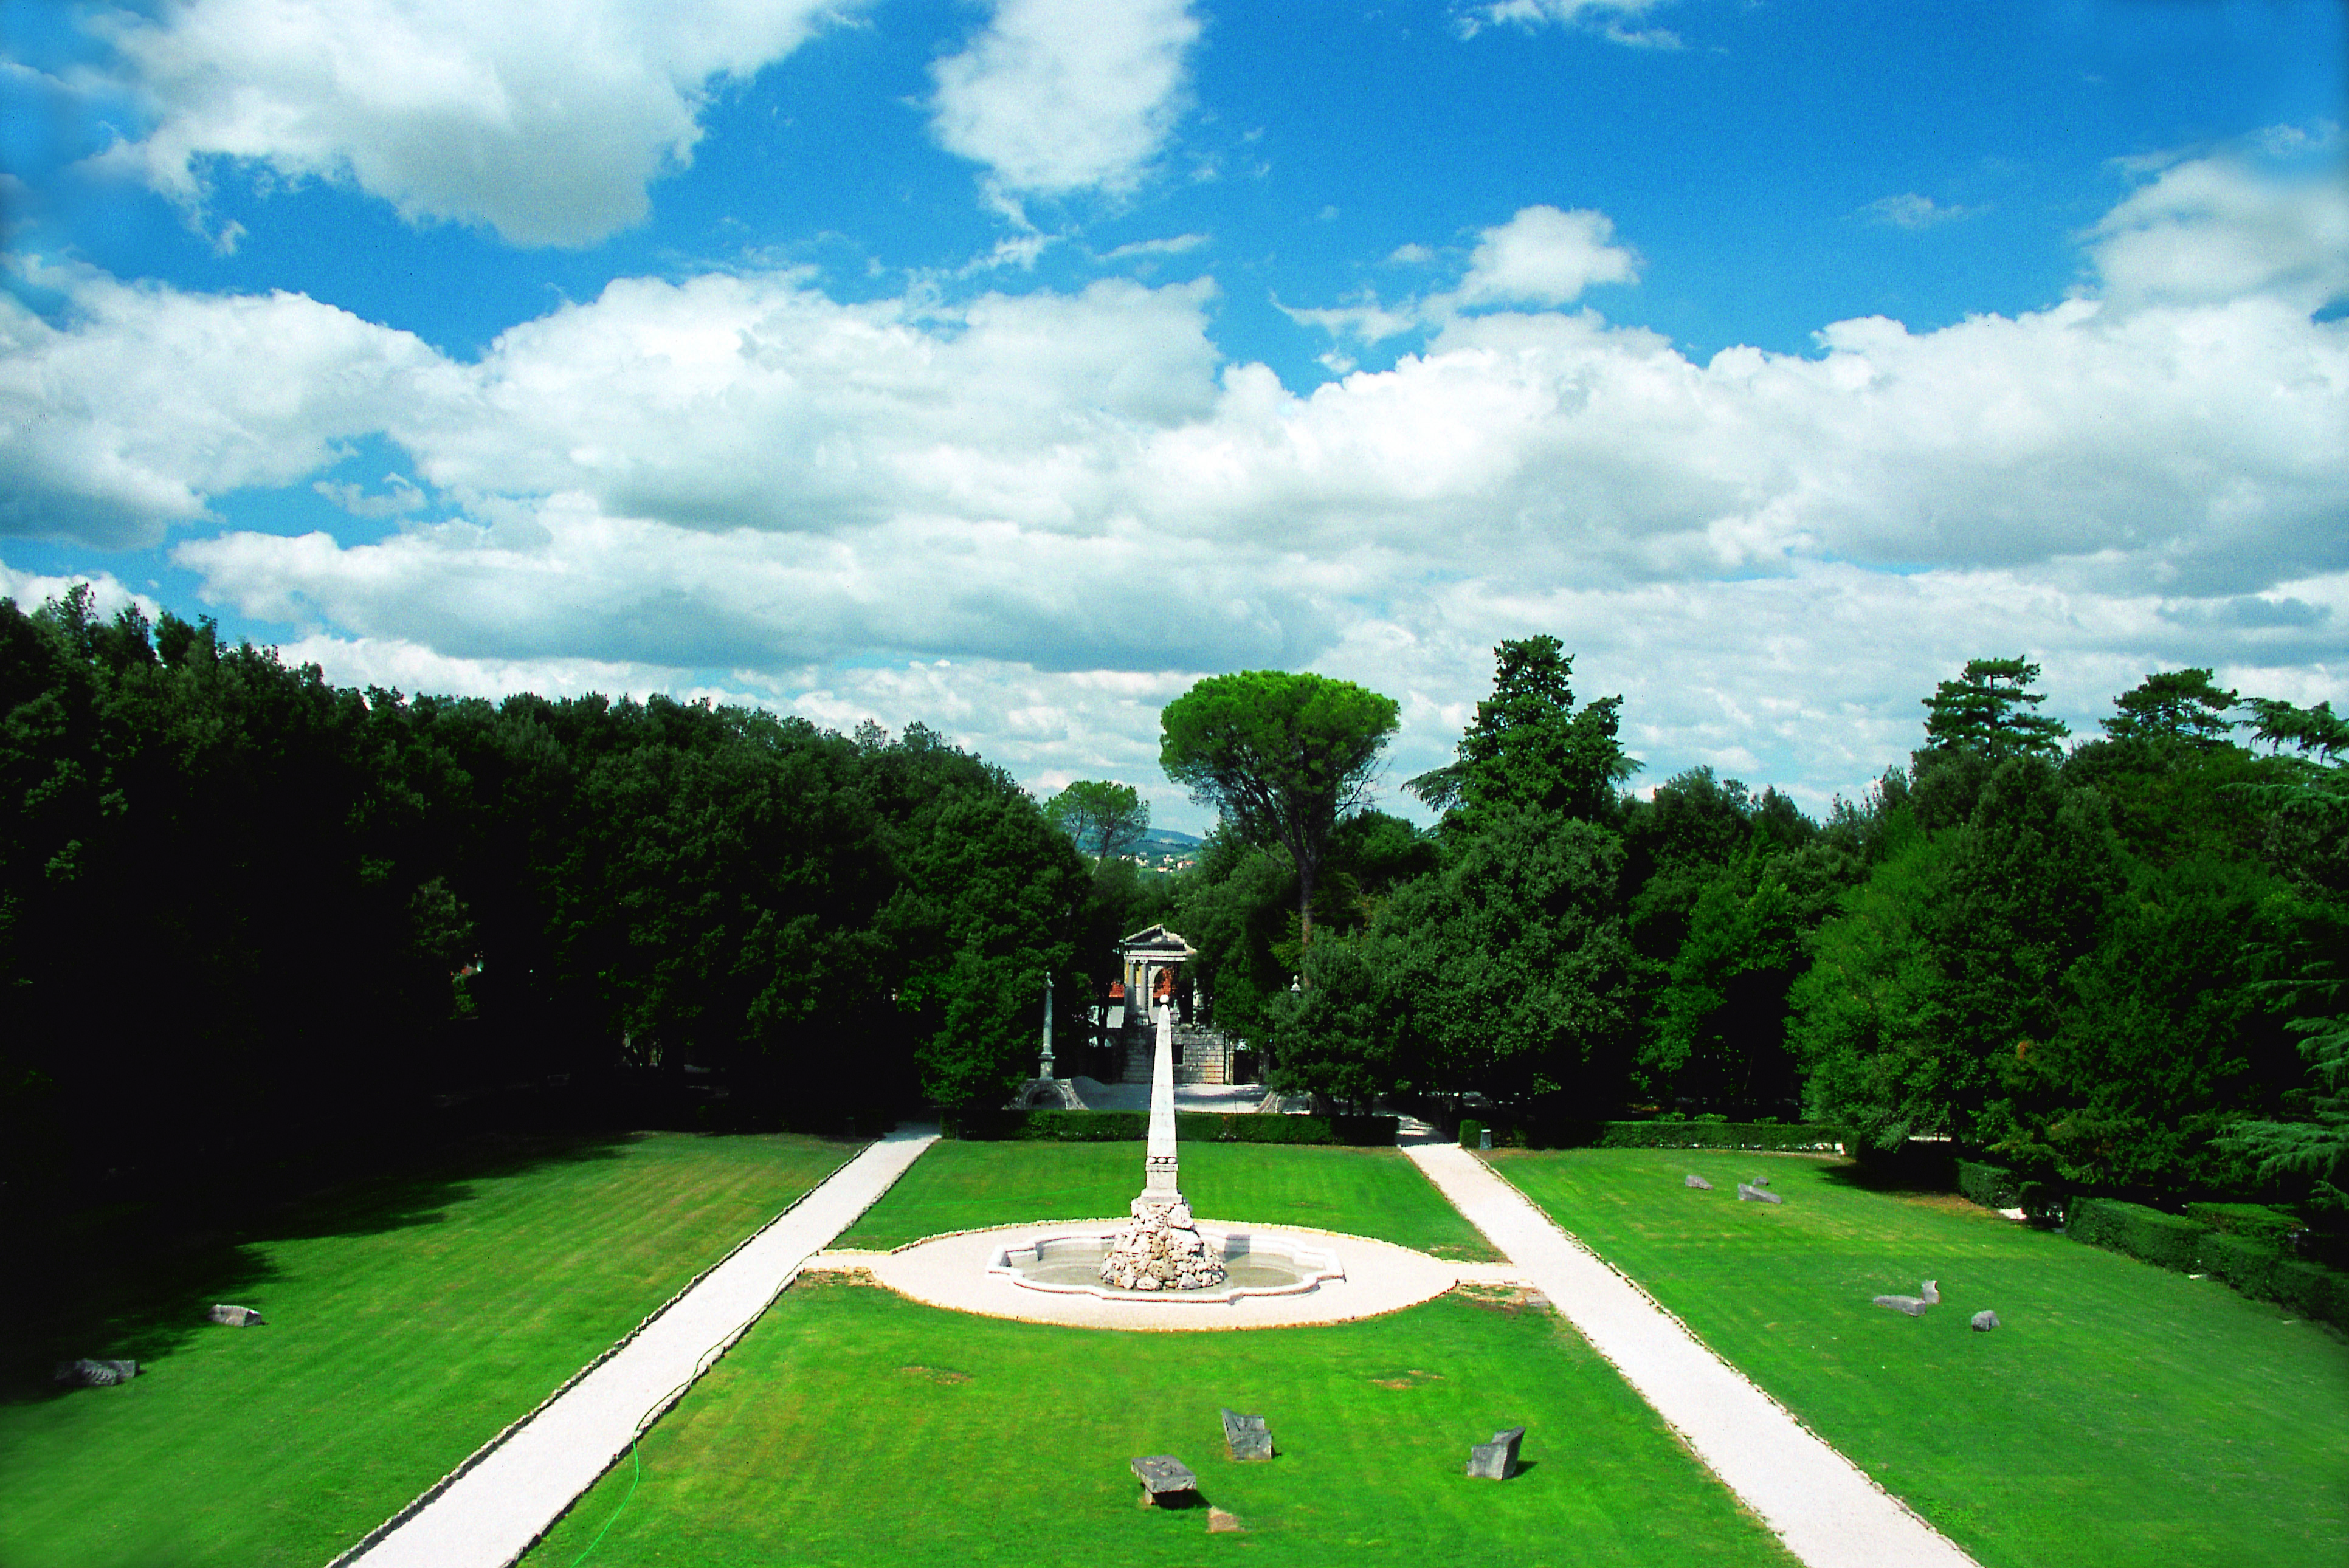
[1253,1265]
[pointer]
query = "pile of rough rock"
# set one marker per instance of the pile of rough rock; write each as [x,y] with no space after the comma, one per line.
[1162,1249]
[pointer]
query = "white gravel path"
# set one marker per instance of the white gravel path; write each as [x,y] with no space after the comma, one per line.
[1819,1503]
[497,1507]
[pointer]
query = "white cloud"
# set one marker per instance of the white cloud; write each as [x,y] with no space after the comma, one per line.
[123,420]
[1058,97]
[31,589]
[1545,257]
[1173,246]
[546,121]
[1613,19]
[997,499]
[2215,229]
[1914,212]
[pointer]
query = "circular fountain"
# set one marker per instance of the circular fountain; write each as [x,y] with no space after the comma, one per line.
[1253,1263]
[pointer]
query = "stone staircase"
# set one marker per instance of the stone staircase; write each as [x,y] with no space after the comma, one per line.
[1203,1056]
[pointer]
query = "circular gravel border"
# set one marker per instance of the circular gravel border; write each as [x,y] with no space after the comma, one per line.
[950,1271]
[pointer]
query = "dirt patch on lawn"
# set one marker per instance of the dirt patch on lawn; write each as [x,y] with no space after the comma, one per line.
[1411,1377]
[945,1376]
[1508,1299]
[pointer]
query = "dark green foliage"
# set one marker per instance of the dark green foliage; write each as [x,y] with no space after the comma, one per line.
[1472,1132]
[1991,1186]
[1283,757]
[2169,1240]
[1991,710]
[2174,707]
[1529,750]
[2256,1222]
[2247,1264]
[302,913]
[1957,955]
[1101,818]
[1338,1037]
[2310,1290]
[2164,1040]
[1507,970]
[1190,1127]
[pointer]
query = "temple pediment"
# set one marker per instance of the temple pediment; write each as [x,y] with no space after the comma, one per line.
[1157,941]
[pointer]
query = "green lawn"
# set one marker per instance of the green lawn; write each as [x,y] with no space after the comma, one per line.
[2123,1415]
[1370,1192]
[407,1320]
[853,1427]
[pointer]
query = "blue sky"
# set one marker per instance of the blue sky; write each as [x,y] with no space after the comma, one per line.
[1008,366]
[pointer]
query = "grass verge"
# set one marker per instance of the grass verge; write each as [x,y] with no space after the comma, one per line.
[407,1320]
[853,1427]
[2121,1415]
[1374,1193]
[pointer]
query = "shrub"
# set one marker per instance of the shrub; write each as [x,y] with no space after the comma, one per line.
[1701,1134]
[2041,1202]
[2169,1240]
[1991,1186]
[1471,1133]
[2254,1221]
[2247,1264]
[2311,1290]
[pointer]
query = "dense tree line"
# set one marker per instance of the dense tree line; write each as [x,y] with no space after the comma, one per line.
[2116,963]
[240,907]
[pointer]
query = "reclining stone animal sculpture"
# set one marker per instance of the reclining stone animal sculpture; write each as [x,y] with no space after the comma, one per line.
[1914,1305]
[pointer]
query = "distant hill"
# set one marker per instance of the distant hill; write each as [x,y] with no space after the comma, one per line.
[1165,850]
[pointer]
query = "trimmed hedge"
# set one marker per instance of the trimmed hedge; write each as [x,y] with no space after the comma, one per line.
[2169,1240]
[1991,1186]
[2253,1221]
[2247,1264]
[1471,1133]
[1800,1138]
[1191,1127]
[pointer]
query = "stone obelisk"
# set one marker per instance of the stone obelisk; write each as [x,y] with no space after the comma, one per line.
[1161,1249]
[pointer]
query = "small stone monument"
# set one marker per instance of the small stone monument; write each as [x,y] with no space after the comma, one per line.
[88,1373]
[1496,1461]
[1986,1321]
[1246,1437]
[1915,1305]
[1161,1248]
[234,1316]
[1750,1194]
[1167,1481]
[1699,1182]
[1759,1182]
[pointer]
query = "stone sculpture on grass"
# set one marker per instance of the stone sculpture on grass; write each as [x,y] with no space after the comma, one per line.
[1984,1321]
[1699,1182]
[1914,1305]
[1749,1194]
[234,1316]
[88,1373]
[1496,1461]
[1247,1437]
[1167,1481]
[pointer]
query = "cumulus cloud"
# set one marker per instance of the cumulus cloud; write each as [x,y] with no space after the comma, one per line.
[1058,97]
[996,499]
[1545,257]
[1911,211]
[545,121]
[31,589]
[2218,228]
[121,421]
